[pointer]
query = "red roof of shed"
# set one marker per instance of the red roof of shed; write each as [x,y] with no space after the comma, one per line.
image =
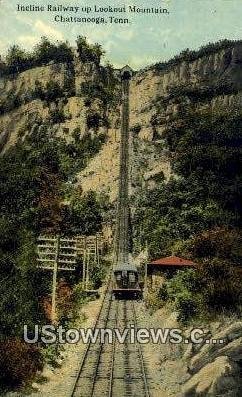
[172,261]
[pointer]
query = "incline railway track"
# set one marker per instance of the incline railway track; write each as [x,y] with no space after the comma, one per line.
[122,222]
[113,369]
[110,368]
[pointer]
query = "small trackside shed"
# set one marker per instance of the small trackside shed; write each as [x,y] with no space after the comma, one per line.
[168,266]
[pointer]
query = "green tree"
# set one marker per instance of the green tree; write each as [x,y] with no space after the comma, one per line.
[88,52]
[44,51]
[17,59]
[83,215]
[53,91]
[98,52]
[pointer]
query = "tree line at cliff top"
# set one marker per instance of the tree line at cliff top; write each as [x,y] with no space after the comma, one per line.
[17,59]
[188,55]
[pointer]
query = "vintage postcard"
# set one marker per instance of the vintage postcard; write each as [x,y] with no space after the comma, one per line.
[121,198]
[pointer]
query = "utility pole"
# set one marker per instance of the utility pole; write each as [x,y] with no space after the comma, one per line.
[84,261]
[87,268]
[56,254]
[146,267]
[54,281]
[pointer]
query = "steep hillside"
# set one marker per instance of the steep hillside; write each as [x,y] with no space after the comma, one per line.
[215,81]
[67,97]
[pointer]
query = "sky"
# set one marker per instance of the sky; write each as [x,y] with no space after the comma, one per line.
[145,40]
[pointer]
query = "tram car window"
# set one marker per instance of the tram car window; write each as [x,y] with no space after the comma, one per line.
[132,278]
[125,282]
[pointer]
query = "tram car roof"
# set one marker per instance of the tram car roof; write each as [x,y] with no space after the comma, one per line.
[119,267]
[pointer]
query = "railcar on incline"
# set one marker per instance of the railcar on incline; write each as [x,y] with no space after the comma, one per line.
[125,281]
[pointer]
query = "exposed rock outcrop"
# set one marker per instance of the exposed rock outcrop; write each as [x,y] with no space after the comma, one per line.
[216,368]
[232,347]
[219,378]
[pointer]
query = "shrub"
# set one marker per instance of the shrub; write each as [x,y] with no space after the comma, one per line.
[219,242]
[186,306]
[182,293]
[136,128]
[49,354]
[212,287]
[53,91]
[69,86]
[163,293]
[87,102]
[76,133]
[105,90]
[57,116]
[18,59]
[45,51]
[83,215]
[159,177]
[65,301]
[94,121]
[38,92]
[202,93]
[19,362]
[221,284]
[154,297]
[97,274]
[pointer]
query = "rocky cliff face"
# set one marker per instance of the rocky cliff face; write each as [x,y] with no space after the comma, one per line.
[150,87]
[152,107]
[149,116]
[23,105]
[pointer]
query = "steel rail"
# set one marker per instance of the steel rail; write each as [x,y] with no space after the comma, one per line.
[147,393]
[100,353]
[110,389]
[89,343]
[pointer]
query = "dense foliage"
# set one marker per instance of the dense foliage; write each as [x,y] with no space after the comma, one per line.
[37,195]
[17,59]
[213,287]
[207,190]
[198,213]
[34,177]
